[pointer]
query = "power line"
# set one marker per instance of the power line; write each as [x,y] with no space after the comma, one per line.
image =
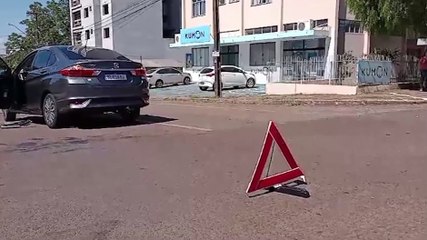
[121,12]
[120,25]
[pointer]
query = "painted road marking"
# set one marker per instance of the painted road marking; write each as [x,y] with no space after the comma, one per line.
[186,127]
[216,107]
[407,95]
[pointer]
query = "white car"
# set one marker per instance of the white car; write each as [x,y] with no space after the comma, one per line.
[167,76]
[231,76]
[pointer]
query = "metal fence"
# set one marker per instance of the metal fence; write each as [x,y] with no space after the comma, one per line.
[343,69]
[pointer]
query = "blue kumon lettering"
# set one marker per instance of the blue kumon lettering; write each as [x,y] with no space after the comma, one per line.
[197,35]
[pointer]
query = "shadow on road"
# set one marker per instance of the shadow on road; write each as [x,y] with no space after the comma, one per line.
[292,188]
[104,121]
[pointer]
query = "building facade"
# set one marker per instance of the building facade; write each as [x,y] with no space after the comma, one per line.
[262,34]
[142,30]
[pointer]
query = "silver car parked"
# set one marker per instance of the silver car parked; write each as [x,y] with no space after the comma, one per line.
[167,76]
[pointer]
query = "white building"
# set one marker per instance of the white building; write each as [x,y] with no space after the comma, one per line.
[138,29]
[256,34]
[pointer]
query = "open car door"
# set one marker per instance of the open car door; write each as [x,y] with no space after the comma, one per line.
[6,85]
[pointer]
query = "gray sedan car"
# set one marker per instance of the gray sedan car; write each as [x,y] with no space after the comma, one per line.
[167,76]
[57,81]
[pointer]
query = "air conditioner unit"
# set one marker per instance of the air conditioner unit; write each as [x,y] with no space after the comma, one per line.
[177,38]
[305,26]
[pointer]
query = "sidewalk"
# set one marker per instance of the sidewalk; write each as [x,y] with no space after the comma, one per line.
[390,97]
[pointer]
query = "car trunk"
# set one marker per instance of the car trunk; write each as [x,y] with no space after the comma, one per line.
[112,72]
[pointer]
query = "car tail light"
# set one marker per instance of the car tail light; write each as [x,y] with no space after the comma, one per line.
[79,71]
[140,72]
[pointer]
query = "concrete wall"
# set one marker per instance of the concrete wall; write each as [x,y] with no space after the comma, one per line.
[107,22]
[354,42]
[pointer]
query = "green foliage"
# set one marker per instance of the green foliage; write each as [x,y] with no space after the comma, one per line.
[44,25]
[392,54]
[391,16]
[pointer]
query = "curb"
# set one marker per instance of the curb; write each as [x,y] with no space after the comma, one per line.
[293,102]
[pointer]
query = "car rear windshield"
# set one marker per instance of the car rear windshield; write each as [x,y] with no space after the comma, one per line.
[206,70]
[81,53]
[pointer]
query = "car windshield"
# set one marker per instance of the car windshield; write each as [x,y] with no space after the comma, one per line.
[206,70]
[80,53]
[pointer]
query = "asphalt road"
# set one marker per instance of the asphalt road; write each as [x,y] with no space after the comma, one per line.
[183,171]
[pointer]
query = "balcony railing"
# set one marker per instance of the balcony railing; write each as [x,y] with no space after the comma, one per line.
[77,23]
[75,3]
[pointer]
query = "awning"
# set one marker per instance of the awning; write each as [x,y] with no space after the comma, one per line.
[288,35]
[155,63]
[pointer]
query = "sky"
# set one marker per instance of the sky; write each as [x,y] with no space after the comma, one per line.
[12,11]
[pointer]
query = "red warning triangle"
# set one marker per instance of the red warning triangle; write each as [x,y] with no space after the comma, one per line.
[257,183]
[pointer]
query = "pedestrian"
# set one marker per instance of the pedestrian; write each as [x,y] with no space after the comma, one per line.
[423,71]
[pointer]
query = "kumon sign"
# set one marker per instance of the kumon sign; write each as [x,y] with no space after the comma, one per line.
[374,72]
[200,34]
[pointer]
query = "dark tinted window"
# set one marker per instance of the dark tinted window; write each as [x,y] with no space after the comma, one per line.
[3,67]
[206,70]
[80,53]
[229,69]
[174,71]
[42,57]
[52,59]
[169,71]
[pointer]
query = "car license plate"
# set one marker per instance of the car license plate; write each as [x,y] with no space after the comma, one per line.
[115,77]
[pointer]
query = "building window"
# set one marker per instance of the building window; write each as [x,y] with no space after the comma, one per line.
[221,2]
[260,2]
[106,32]
[91,31]
[230,55]
[320,23]
[351,26]
[262,54]
[200,56]
[105,9]
[304,49]
[260,30]
[233,1]
[87,34]
[290,26]
[86,13]
[199,8]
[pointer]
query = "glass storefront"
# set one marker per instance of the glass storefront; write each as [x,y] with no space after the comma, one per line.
[304,49]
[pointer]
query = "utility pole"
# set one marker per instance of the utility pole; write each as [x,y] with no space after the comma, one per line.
[216,53]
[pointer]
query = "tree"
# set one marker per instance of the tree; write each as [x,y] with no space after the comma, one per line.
[391,16]
[44,25]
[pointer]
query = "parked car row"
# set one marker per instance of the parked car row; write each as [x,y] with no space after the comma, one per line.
[57,81]
[231,76]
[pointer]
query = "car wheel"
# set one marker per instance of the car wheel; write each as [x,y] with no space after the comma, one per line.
[187,80]
[203,88]
[159,84]
[250,83]
[130,114]
[8,116]
[51,116]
